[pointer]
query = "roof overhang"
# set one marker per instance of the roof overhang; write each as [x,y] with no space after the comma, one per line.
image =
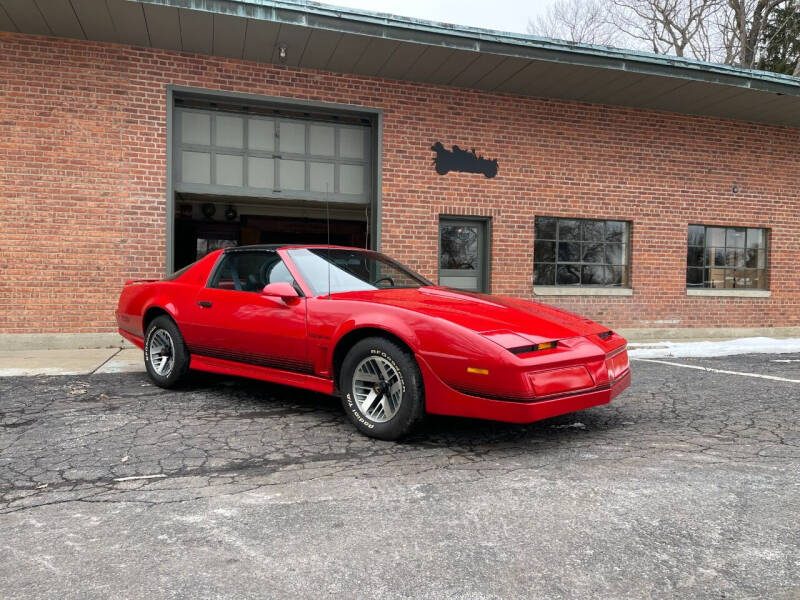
[344,40]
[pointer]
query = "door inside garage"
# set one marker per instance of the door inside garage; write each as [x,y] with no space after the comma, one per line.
[251,173]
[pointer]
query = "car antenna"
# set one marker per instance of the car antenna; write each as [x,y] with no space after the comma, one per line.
[328,228]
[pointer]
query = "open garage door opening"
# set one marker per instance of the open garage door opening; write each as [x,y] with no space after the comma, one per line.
[262,173]
[206,223]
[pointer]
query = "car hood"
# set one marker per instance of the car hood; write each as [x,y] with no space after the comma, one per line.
[484,313]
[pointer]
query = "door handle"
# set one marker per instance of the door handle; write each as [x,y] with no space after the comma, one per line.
[204,304]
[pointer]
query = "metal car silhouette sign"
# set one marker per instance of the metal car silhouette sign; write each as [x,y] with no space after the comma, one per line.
[463,161]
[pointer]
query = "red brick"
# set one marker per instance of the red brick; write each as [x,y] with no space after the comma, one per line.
[83,177]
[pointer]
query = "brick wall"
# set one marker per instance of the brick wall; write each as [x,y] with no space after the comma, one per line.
[83,175]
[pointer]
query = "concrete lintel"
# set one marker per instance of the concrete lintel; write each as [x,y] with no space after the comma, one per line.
[725,293]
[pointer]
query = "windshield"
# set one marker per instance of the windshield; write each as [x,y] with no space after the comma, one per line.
[351,271]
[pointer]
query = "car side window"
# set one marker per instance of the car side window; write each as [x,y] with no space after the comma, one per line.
[279,272]
[250,271]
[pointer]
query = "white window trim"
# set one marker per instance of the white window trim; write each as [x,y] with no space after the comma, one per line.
[729,293]
[556,290]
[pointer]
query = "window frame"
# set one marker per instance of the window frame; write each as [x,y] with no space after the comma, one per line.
[588,287]
[217,270]
[705,286]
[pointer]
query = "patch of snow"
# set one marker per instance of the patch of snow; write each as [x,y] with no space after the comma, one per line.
[755,345]
[575,425]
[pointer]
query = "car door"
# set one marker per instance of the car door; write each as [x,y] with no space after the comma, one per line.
[233,321]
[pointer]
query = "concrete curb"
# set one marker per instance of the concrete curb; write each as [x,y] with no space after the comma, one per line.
[75,341]
[61,341]
[706,333]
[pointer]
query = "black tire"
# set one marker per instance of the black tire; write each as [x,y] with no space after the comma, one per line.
[410,411]
[173,374]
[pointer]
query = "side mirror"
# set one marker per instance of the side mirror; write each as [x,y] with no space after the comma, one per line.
[280,289]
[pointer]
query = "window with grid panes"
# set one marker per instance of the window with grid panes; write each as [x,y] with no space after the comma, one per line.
[581,252]
[726,257]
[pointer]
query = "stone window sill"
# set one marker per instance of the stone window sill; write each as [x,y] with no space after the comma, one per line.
[724,293]
[555,290]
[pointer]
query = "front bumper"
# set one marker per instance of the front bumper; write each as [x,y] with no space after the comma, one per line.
[441,399]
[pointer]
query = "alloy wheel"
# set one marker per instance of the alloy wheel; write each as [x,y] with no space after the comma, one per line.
[377,389]
[162,352]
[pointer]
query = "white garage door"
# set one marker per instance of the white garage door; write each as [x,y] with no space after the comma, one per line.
[274,157]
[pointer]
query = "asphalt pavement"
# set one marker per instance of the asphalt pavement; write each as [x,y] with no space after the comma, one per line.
[688,485]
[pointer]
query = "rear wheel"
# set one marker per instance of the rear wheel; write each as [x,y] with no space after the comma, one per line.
[382,390]
[165,355]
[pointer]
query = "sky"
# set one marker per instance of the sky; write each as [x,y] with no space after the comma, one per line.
[501,15]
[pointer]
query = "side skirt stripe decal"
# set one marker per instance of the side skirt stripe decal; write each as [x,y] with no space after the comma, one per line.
[259,360]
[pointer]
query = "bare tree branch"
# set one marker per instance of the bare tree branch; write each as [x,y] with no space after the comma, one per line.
[582,21]
[726,31]
[669,26]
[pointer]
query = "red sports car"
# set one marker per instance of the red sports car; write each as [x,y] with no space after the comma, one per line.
[355,323]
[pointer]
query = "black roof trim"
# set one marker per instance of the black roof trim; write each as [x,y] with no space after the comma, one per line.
[267,247]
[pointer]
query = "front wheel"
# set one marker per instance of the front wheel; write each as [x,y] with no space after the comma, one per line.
[165,355]
[382,391]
